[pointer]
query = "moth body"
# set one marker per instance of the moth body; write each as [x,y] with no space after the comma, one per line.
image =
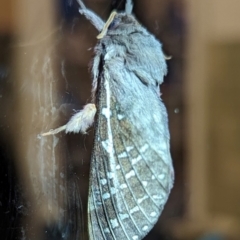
[131,167]
[131,171]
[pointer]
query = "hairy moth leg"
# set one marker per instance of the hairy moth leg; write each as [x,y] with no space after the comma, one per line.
[128,6]
[79,122]
[94,19]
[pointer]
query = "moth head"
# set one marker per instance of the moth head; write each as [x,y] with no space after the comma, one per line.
[119,23]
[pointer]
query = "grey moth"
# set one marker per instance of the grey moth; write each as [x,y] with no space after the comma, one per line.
[131,171]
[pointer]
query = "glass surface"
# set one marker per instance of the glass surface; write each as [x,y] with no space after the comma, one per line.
[46,49]
[45,78]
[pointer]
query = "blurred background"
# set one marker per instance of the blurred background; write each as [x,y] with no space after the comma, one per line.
[46,49]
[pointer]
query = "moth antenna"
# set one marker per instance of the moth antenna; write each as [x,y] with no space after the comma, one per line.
[128,6]
[91,16]
[105,28]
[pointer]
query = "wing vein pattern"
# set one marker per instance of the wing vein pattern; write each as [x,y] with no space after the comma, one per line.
[127,187]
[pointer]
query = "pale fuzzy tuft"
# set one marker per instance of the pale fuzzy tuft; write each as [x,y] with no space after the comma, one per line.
[82,120]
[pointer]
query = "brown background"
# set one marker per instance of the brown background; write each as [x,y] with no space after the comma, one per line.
[45,51]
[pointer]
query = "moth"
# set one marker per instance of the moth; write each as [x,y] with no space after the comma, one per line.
[131,171]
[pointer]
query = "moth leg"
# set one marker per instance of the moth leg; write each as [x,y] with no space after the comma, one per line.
[94,18]
[128,6]
[79,122]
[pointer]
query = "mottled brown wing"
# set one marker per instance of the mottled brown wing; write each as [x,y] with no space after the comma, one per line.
[129,182]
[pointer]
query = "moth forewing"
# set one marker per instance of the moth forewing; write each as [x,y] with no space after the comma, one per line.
[126,189]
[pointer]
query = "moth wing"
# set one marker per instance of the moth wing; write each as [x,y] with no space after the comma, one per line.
[129,181]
